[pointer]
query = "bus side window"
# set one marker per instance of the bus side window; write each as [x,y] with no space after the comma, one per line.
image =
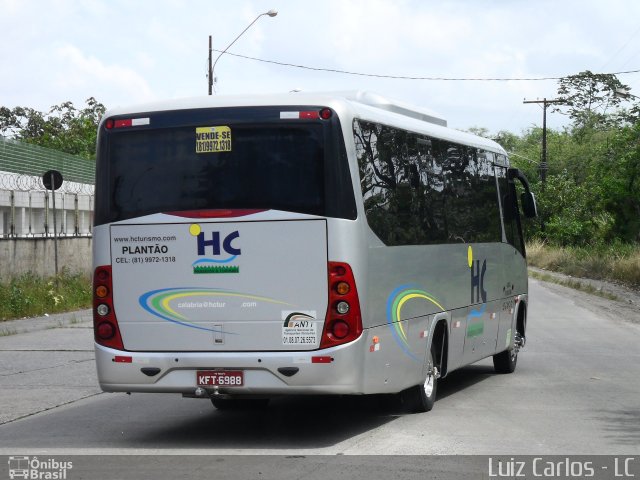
[510,215]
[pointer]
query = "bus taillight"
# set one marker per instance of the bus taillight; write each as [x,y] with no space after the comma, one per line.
[105,324]
[343,322]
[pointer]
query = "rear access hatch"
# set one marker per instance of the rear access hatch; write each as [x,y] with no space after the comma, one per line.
[220,285]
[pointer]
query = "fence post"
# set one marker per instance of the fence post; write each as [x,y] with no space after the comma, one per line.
[12,216]
[46,213]
[63,221]
[30,214]
[76,212]
[91,198]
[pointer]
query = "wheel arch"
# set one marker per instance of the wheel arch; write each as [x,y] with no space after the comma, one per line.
[440,343]
[521,318]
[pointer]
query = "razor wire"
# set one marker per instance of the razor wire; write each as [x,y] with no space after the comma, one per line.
[21,182]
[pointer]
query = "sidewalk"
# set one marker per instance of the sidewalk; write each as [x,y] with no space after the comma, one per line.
[45,362]
[57,320]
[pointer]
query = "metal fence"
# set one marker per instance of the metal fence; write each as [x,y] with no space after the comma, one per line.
[32,160]
[26,207]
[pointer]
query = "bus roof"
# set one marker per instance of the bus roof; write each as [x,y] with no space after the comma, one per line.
[360,104]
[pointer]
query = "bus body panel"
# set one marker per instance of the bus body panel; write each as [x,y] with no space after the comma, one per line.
[425,280]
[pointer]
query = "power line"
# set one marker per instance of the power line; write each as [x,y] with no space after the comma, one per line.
[406,77]
[620,49]
[530,160]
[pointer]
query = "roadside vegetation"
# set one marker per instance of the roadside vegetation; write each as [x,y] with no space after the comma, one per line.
[572,283]
[30,296]
[619,263]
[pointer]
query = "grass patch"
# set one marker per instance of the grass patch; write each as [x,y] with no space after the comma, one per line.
[617,262]
[31,296]
[572,283]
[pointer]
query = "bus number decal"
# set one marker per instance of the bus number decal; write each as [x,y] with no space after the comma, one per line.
[213,139]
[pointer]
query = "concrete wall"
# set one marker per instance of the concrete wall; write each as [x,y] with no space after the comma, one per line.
[36,255]
[23,214]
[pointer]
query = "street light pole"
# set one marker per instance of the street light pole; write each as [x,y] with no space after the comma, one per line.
[210,73]
[212,78]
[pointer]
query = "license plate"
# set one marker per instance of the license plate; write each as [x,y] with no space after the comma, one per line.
[220,378]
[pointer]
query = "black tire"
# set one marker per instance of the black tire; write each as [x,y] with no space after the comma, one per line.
[421,398]
[505,362]
[239,403]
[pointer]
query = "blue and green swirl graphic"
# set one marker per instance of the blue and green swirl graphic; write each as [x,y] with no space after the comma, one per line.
[396,301]
[158,302]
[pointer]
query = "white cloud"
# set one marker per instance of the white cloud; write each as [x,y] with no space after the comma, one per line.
[125,52]
[87,73]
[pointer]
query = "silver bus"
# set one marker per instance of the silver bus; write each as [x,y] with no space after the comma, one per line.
[249,247]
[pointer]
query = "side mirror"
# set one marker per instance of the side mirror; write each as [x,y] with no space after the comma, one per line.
[529,207]
[527,199]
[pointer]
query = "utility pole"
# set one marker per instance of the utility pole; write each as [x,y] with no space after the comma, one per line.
[543,164]
[210,75]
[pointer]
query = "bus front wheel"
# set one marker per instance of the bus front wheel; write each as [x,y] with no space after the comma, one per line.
[505,362]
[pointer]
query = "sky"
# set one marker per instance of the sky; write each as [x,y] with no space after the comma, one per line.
[125,52]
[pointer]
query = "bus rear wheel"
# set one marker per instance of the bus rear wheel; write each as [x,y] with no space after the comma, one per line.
[421,398]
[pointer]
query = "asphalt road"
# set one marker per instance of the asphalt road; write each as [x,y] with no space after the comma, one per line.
[576,391]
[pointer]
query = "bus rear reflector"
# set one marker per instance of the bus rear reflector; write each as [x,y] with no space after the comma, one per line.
[321,359]
[342,325]
[105,324]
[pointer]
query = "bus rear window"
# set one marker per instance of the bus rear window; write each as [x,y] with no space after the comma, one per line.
[244,166]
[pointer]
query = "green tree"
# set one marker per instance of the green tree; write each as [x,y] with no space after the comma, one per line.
[590,99]
[592,193]
[618,174]
[64,127]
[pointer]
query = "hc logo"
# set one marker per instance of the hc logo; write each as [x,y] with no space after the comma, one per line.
[477,281]
[215,243]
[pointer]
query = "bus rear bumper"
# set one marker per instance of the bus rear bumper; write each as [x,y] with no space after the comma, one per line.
[336,370]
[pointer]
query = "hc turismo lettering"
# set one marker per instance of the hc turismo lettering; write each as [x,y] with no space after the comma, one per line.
[477,281]
[215,243]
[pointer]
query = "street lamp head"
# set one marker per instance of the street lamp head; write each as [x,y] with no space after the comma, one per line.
[270,13]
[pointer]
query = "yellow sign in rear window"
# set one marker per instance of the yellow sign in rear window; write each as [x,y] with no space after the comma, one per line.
[213,139]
